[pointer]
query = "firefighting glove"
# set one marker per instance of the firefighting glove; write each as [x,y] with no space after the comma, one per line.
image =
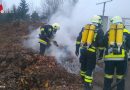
[77,52]
[55,43]
[77,49]
[39,35]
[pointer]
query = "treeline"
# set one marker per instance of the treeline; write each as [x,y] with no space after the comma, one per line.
[21,13]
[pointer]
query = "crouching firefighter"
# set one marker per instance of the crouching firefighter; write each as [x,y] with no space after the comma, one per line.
[46,35]
[90,38]
[116,42]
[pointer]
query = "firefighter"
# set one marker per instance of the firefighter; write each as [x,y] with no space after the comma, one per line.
[46,35]
[116,44]
[90,38]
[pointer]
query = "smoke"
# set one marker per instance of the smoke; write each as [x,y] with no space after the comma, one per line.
[66,38]
[32,41]
[71,19]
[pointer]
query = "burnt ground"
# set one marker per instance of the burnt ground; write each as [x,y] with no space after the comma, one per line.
[24,69]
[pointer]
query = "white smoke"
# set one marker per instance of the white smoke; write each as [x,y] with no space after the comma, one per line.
[32,41]
[71,20]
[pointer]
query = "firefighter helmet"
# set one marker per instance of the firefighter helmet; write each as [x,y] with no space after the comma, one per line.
[56,26]
[96,19]
[116,19]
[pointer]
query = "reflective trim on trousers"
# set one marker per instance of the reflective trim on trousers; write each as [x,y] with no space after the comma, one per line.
[82,73]
[88,79]
[119,76]
[108,76]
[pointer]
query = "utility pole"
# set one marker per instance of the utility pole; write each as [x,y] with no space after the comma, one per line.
[104,5]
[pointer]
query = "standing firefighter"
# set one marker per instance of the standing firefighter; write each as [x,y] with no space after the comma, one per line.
[89,39]
[46,35]
[116,43]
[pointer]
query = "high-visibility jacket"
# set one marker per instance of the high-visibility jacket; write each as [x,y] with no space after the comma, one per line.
[109,52]
[97,41]
[46,34]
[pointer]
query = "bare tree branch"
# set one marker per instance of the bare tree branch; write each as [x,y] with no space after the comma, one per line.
[50,7]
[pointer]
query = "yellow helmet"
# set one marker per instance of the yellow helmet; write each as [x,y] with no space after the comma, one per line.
[56,26]
[96,19]
[116,19]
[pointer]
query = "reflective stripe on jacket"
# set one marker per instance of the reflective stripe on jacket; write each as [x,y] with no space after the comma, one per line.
[91,49]
[42,41]
[116,57]
[113,56]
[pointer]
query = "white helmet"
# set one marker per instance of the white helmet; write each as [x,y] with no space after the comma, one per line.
[56,26]
[96,19]
[116,19]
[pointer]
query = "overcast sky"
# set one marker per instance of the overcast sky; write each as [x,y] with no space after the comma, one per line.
[9,3]
[33,4]
[116,7]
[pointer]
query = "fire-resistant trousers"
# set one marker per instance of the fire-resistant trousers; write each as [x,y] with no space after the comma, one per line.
[88,62]
[110,67]
[42,48]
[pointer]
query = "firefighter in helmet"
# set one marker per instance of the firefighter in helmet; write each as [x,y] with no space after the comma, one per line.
[116,43]
[90,38]
[46,36]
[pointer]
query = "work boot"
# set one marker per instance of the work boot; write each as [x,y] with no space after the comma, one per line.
[87,86]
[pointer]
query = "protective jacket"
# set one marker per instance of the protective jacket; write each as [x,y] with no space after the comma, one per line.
[46,34]
[96,43]
[111,52]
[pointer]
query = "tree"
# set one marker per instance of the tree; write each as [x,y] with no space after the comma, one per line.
[23,10]
[50,7]
[35,16]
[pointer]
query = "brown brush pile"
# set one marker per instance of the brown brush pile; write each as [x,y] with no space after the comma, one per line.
[24,69]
